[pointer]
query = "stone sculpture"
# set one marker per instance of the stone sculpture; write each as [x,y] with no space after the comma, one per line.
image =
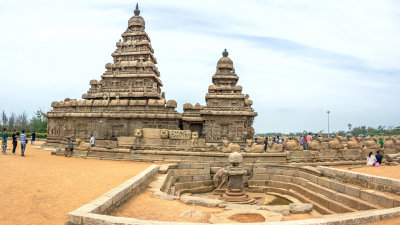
[229,147]
[390,143]
[354,143]
[235,181]
[253,147]
[219,178]
[372,144]
[315,145]
[336,143]
[274,147]
[81,145]
[292,145]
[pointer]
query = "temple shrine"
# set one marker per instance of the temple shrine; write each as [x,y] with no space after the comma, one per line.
[128,97]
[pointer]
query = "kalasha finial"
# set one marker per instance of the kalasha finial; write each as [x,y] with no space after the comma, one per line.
[137,11]
[225,53]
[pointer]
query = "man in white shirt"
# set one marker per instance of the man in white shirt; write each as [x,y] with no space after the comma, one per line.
[92,141]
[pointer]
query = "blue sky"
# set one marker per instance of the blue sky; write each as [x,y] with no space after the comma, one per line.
[296,59]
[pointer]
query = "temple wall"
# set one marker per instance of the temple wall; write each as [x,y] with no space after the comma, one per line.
[232,128]
[101,127]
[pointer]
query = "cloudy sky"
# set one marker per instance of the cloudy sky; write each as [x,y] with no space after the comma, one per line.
[296,59]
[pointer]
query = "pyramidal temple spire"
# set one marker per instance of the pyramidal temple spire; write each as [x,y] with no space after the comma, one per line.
[137,11]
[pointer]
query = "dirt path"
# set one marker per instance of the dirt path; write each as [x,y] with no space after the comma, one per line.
[42,189]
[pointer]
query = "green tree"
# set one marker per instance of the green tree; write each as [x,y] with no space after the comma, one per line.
[38,123]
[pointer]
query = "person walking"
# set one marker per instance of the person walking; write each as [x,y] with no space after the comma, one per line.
[381,142]
[309,138]
[265,144]
[33,137]
[303,142]
[15,141]
[283,144]
[4,137]
[23,141]
[92,141]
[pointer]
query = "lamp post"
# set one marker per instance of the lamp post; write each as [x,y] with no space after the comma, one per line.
[328,121]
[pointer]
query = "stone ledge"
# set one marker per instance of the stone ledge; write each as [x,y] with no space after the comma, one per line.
[374,182]
[113,198]
[346,219]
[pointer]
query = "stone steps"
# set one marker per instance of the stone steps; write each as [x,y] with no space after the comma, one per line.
[317,207]
[353,202]
[313,196]
[336,191]
[339,197]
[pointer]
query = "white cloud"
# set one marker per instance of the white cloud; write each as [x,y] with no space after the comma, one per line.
[296,59]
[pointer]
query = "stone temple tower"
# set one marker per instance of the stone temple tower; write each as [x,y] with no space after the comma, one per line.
[127,97]
[228,114]
[133,74]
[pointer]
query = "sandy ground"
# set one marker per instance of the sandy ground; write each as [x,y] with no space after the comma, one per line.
[152,208]
[383,171]
[42,189]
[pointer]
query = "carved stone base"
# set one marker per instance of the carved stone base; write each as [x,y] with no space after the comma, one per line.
[237,196]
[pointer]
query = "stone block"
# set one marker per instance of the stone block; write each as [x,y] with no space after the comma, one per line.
[197,165]
[192,200]
[299,208]
[172,158]
[151,133]
[281,178]
[126,141]
[257,182]
[87,208]
[300,181]
[390,213]
[152,141]
[240,206]
[201,177]
[273,170]
[324,182]
[289,172]
[353,191]
[282,209]
[168,197]
[337,186]
[104,202]
[180,134]
[163,169]
[260,177]
[259,170]
[184,166]
[75,218]
[183,178]
[376,197]
[381,180]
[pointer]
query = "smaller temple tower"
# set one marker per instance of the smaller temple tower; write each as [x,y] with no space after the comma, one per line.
[228,114]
